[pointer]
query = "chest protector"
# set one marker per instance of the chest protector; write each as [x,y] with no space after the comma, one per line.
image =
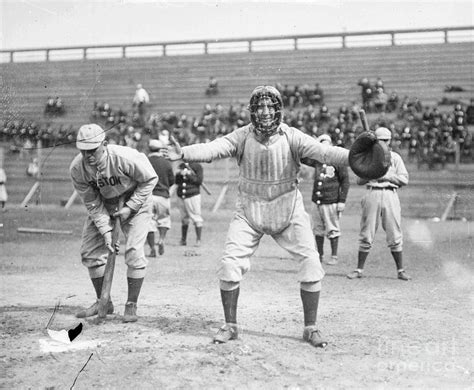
[268,183]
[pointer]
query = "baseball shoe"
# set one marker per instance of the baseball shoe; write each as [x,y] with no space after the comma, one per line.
[182,242]
[402,275]
[355,274]
[198,243]
[130,313]
[152,253]
[225,333]
[161,248]
[332,261]
[94,310]
[312,335]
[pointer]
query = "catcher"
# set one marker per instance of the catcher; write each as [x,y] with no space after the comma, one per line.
[102,176]
[268,153]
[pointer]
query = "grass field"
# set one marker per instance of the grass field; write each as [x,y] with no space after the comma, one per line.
[382,332]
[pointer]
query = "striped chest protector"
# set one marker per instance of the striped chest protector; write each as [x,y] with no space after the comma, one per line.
[268,184]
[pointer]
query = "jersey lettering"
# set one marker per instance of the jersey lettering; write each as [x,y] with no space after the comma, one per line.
[108,181]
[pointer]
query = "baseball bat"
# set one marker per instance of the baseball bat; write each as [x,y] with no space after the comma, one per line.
[109,271]
[363,119]
[204,187]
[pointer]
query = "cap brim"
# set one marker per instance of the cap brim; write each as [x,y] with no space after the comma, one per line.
[84,145]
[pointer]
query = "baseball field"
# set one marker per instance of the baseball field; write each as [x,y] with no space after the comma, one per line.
[382,332]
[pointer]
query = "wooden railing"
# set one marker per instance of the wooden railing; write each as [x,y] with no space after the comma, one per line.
[295,42]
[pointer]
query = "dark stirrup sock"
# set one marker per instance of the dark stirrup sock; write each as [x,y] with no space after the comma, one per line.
[229,303]
[334,244]
[320,244]
[310,306]
[362,256]
[134,287]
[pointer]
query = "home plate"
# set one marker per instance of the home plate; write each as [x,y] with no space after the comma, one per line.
[49,345]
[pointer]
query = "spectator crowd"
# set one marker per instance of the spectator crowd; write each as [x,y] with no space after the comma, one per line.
[426,134]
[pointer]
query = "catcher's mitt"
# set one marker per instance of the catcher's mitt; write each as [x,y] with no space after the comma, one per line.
[369,158]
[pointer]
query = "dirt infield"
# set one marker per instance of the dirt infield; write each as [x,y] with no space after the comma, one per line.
[382,332]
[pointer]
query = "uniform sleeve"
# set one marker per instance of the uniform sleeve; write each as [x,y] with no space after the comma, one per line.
[140,170]
[92,200]
[397,173]
[307,147]
[197,176]
[222,147]
[343,183]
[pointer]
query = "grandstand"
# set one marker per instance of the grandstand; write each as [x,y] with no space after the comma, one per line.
[177,82]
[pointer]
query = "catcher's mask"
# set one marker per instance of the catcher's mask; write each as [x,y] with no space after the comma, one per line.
[266,109]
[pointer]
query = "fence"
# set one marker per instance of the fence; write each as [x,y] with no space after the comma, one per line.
[204,47]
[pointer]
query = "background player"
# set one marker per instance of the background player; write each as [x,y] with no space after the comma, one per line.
[103,175]
[330,189]
[188,180]
[161,196]
[381,204]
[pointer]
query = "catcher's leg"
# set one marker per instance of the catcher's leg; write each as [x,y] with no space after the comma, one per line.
[229,296]
[310,298]
[241,243]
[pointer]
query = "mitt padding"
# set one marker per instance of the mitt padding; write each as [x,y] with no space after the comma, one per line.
[369,158]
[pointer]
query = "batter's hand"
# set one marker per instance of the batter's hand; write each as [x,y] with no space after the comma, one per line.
[108,241]
[124,213]
[340,207]
[174,151]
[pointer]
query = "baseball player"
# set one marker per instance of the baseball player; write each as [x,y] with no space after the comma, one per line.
[105,176]
[268,153]
[330,189]
[380,204]
[161,196]
[188,180]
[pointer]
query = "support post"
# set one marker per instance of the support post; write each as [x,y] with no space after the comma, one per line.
[71,200]
[449,206]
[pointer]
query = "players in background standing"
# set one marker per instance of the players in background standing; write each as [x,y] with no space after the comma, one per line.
[268,153]
[161,196]
[188,180]
[330,189]
[105,176]
[381,204]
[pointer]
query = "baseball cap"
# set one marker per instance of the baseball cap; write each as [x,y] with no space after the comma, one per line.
[324,138]
[90,137]
[156,144]
[383,133]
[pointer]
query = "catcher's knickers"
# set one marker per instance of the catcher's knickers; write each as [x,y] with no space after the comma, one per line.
[242,242]
[190,209]
[381,206]
[324,220]
[135,229]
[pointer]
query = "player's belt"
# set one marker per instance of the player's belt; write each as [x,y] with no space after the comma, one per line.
[381,188]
